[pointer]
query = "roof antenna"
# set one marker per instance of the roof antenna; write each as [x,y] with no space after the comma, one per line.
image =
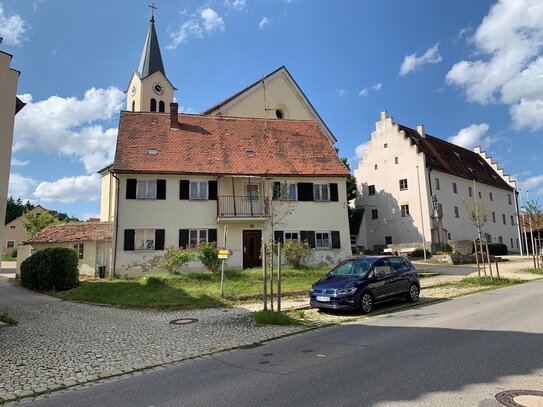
[265,107]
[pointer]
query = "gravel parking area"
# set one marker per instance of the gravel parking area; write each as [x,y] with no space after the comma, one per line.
[58,344]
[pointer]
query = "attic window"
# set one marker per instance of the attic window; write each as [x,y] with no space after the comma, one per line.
[251,154]
[152,151]
[279,113]
[457,155]
[482,164]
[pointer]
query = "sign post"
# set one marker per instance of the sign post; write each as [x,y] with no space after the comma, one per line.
[224,254]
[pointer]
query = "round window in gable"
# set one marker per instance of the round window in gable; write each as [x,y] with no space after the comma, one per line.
[279,113]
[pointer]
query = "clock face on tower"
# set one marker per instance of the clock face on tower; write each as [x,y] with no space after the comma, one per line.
[158,88]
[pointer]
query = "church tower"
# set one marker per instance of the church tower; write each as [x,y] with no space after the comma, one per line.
[149,89]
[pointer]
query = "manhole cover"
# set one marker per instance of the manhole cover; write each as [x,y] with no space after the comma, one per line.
[183,321]
[520,398]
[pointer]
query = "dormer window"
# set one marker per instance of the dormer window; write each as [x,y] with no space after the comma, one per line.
[279,113]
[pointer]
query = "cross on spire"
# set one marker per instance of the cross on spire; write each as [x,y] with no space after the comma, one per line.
[153,8]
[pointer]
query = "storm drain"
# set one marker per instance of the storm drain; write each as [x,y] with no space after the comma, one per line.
[183,321]
[520,398]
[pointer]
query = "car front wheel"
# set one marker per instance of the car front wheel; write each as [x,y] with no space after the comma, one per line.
[414,292]
[366,303]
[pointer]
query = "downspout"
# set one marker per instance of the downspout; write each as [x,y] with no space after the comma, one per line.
[518,222]
[115,229]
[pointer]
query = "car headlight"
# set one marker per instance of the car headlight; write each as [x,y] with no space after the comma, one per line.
[344,291]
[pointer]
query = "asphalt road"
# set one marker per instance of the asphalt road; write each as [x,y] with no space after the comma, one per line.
[456,353]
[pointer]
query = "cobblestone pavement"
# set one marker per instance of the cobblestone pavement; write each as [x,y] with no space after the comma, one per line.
[60,344]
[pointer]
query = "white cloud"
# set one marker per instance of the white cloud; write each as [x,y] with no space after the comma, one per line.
[472,136]
[211,20]
[509,68]
[341,92]
[263,22]
[206,21]
[70,189]
[69,126]
[36,4]
[360,150]
[412,63]
[12,28]
[18,163]
[238,5]
[366,91]
[21,186]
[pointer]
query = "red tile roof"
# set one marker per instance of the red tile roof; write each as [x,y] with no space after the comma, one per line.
[221,145]
[73,232]
[452,159]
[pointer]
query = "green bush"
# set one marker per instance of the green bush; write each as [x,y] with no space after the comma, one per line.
[419,253]
[50,269]
[13,253]
[209,256]
[447,248]
[174,259]
[297,253]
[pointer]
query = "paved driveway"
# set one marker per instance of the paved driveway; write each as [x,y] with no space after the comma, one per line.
[59,343]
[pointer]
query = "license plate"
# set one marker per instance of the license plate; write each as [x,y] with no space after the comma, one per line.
[323,299]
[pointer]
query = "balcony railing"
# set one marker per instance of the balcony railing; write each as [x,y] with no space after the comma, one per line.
[242,207]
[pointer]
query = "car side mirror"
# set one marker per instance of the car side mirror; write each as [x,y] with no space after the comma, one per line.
[371,273]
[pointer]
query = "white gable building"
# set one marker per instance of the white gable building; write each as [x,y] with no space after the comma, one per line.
[405,173]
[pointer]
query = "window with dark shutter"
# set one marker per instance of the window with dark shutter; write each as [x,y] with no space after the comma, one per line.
[305,191]
[183,238]
[278,236]
[336,244]
[160,189]
[309,237]
[212,235]
[276,191]
[159,239]
[184,189]
[129,238]
[131,186]
[212,190]
[334,197]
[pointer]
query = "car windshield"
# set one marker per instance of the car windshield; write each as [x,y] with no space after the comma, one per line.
[355,267]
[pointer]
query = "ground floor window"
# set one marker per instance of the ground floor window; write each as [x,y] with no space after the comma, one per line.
[292,236]
[10,244]
[197,236]
[322,240]
[145,239]
[388,239]
[80,249]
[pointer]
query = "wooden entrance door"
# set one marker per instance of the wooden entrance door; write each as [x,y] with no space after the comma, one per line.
[252,240]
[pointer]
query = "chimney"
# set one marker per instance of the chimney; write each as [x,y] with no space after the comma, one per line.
[420,130]
[174,118]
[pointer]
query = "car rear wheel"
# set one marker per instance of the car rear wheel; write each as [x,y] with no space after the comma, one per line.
[366,303]
[414,293]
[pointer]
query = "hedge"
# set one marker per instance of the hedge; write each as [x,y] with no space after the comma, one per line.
[50,269]
[497,249]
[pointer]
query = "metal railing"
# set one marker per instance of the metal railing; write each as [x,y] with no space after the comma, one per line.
[242,207]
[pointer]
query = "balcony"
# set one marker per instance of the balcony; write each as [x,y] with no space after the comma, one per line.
[242,208]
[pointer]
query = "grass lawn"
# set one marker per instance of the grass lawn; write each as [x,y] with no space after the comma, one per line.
[487,281]
[188,290]
[8,258]
[4,317]
[535,271]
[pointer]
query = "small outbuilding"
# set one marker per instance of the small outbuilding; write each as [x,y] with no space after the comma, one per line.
[91,240]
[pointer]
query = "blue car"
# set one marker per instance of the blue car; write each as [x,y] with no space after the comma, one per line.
[359,283]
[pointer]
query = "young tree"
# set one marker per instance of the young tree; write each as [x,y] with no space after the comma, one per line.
[478,214]
[36,222]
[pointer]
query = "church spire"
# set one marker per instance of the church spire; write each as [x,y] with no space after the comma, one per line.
[151,59]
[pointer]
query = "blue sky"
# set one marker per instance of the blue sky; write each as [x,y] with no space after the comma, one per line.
[470,71]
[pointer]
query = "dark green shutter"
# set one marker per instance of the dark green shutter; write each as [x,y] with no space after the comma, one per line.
[183,238]
[336,244]
[160,189]
[212,235]
[309,237]
[305,191]
[159,239]
[333,192]
[278,236]
[212,190]
[129,239]
[184,187]
[276,191]
[131,185]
